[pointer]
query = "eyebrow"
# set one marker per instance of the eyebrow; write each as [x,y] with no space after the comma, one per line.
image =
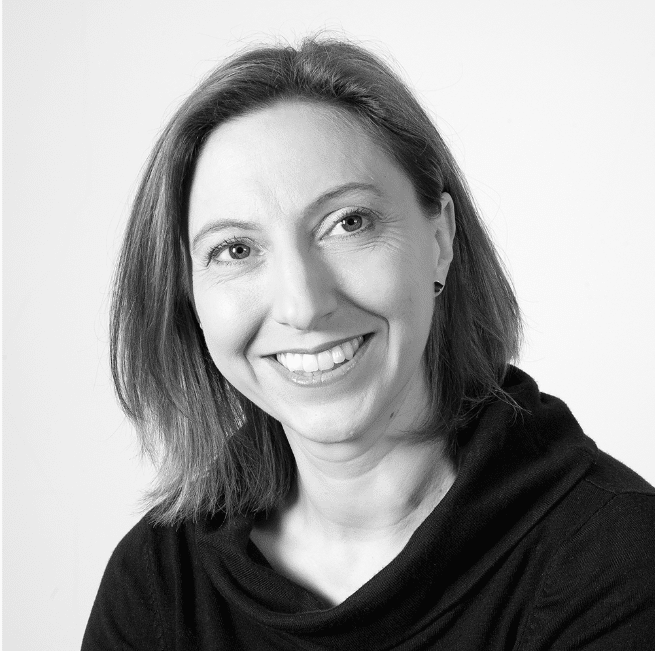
[324,198]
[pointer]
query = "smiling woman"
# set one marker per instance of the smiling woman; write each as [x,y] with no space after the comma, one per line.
[313,335]
[332,248]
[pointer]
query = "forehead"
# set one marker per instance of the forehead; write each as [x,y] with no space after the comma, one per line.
[282,157]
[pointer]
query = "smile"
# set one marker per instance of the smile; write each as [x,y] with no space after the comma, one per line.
[324,360]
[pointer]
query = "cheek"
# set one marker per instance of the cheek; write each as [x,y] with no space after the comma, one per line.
[228,319]
[394,283]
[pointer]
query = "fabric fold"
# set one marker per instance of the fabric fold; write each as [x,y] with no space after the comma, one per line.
[514,468]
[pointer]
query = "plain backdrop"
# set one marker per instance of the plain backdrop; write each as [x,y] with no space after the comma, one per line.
[548,106]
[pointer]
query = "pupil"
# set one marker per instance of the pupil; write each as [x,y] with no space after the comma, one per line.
[352,223]
[239,251]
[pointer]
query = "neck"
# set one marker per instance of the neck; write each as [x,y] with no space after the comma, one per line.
[370,498]
[380,485]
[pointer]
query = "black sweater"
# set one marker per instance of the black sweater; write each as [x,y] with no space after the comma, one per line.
[543,542]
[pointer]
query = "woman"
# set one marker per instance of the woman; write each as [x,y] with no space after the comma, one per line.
[312,333]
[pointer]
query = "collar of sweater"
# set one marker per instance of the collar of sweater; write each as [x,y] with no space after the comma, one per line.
[514,467]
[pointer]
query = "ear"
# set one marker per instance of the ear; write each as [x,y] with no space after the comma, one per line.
[444,236]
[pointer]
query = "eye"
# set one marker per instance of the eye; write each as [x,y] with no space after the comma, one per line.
[351,223]
[355,221]
[238,251]
[229,251]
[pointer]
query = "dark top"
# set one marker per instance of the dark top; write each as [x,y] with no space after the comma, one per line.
[543,542]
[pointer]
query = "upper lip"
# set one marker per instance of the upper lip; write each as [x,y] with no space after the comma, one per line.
[318,348]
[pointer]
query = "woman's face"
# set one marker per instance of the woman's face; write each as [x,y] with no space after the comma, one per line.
[313,269]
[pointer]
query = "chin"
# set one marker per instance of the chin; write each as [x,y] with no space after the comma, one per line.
[326,429]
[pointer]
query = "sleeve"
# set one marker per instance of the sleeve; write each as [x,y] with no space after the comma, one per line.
[125,614]
[599,593]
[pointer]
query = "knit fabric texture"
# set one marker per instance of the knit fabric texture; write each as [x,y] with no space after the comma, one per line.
[542,542]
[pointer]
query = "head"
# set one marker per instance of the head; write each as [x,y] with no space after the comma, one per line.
[217,436]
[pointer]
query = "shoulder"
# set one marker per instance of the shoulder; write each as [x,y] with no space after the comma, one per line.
[620,531]
[617,530]
[616,525]
[610,475]
[148,538]
[620,515]
[142,536]
[598,591]
[146,551]
[128,604]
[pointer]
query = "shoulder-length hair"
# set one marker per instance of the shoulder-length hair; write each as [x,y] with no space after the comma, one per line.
[216,451]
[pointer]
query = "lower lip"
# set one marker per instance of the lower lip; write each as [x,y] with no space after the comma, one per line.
[325,378]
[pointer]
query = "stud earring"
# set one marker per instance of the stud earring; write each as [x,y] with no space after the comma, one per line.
[438,288]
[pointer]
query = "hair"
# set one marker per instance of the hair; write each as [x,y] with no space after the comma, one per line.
[217,452]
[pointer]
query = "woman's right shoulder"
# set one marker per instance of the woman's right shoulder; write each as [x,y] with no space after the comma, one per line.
[145,568]
[145,547]
[148,537]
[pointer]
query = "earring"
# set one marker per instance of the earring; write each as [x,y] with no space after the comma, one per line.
[438,288]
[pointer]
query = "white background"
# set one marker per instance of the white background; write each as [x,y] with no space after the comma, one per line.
[549,107]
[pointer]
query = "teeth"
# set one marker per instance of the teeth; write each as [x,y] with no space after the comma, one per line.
[323,361]
[309,363]
[338,355]
[293,361]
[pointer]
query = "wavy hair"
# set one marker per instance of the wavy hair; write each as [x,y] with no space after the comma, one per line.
[215,451]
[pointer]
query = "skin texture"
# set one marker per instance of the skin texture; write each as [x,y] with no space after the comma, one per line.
[294,276]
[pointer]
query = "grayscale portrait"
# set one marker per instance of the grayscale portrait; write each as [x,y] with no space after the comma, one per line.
[329,330]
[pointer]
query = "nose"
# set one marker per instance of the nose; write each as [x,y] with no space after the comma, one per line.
[302,291]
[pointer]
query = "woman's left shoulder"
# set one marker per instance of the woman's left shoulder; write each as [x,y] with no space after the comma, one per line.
[598,591]
[610,475]
[615,523]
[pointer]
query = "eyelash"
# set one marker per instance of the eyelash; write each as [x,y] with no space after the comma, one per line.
[365,214]
[215,251]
